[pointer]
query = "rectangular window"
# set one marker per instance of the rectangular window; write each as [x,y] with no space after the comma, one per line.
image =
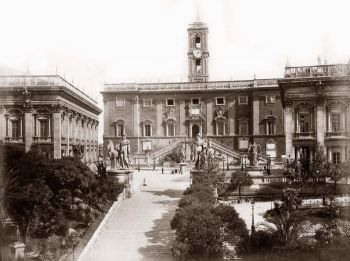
[119,103]
[335,121]
[270,128]
[220,101]
[170,102]
[44,128]
[147,130]
[336,157]
[195,101]
[243,127]
[119,130]
[242,100]
[221,128]
[270,99]
[15,128]
[147,103]
[198,42]
[305,123]
[171,130]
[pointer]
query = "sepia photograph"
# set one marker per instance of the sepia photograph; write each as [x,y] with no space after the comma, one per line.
[174,130]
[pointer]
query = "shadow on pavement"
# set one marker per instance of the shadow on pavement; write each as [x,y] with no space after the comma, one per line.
[161,236]
[171,193]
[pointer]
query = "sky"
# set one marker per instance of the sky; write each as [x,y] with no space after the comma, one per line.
[92,42]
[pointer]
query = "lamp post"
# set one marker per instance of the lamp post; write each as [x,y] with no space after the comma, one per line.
[245,161]
[268,163]
[253,226]
[138,162]
[227,166]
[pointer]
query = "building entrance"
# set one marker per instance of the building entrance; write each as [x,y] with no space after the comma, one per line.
[195,130]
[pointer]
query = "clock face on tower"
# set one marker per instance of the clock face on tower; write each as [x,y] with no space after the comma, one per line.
[197,53]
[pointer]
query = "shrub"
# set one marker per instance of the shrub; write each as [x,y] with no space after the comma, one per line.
[201,228]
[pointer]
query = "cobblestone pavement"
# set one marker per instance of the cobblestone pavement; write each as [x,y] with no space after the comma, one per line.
[140,228]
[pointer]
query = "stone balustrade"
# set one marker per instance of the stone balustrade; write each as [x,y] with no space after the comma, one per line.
[175,86]
[317,71]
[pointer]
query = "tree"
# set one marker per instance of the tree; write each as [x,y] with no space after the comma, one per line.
[200,230]
[210,175]
[320,166]
[283,217]
[238,180]
[335,174]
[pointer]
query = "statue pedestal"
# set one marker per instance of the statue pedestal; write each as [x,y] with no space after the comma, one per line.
[182,167]
[17,251]
[123,176]
[254,171]
[194,175]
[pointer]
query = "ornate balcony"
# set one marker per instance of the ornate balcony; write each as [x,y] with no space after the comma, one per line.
[13,139]
[42,139]
[336,135]
[317,71]
[304,135]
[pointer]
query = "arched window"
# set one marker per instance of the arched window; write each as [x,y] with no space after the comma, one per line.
[336,117]
[147,128]
[14,125]
[119,128]
[198,42]
[304,118]
[170,128]
[270,122]
[243,126]
[42,125]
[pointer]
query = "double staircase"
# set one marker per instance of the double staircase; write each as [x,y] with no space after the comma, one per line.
[162,151]
[227,151]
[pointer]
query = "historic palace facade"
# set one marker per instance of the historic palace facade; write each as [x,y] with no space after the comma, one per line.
[285,116]
[49,112]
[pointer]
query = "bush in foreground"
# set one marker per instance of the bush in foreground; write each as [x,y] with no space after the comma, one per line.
[202,228]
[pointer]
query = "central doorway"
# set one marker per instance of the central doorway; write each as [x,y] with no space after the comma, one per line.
[195,130]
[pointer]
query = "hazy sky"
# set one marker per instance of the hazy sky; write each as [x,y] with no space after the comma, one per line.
[93,42]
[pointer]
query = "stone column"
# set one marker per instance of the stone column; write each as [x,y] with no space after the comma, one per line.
[348,130]
[321,121]
[28,129]
[231,116]
[209,118]
[256,117]
[69,120]
[289,129]
[106,117]
[135,117]
[2,123]
[84,134]
[74,129]
[57,132]
[159,118]
[182,118]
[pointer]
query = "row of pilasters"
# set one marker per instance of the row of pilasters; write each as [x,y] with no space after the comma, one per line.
[320,127]
[78,130]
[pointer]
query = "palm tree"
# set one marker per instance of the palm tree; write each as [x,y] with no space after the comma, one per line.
[283,216]
[10,189]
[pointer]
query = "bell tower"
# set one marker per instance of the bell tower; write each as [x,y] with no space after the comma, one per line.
[198,52]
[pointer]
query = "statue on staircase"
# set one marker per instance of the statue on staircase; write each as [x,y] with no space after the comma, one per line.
[198,152]
[124,153]
[253,154]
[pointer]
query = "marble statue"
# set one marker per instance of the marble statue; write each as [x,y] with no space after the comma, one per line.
[112,154]
[198,150]
[124,153]
[253,154]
